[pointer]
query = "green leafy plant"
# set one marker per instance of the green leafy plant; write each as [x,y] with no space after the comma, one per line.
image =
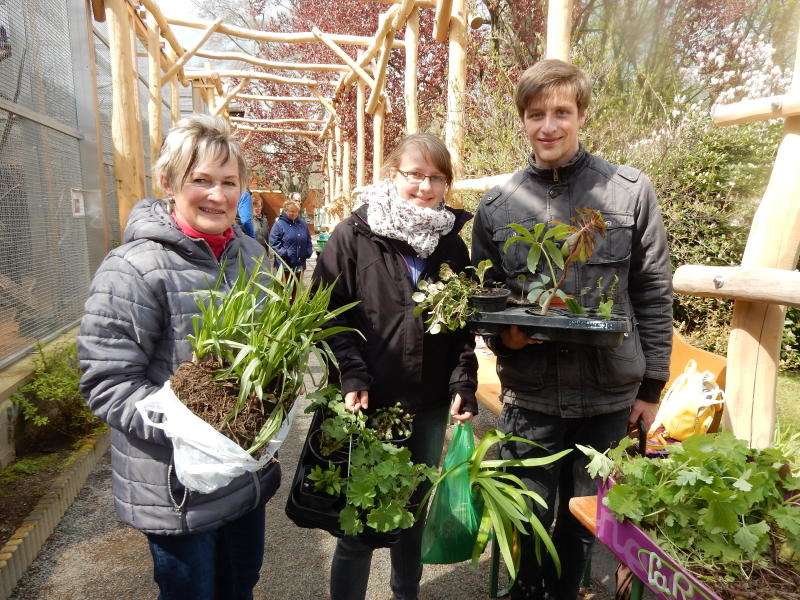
[261,332]
[727,512]
[577,243]
[506,500]
[379,478]
[606,306]
[447,300]
[52,398]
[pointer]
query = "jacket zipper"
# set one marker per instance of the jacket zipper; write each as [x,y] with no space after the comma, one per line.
[555,175]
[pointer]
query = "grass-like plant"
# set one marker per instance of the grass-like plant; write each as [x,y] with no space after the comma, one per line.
[263,338]
[506,501]
[577,243]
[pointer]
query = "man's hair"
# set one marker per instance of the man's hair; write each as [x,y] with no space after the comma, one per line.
[194,139]
[432,148]
[550,77]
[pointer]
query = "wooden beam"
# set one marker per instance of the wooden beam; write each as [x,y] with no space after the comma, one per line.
[377,143]
[271,64]
[98,10]
[125,125]
[230,95]
[268,36]
[346,172]
[184,58]
[323,100]
[337,167]
[456,90]
[380,80]
[278,98]
[441,24]
[276,121]
[356,68]
[754,284]
[154,99]
[166,32]
[360,139]
[277,130]
[208,74]
[174,101]
[410,80]
[760,109]
[406,7]
[559,29]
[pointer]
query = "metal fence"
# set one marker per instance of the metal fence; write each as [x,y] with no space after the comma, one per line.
[57,218]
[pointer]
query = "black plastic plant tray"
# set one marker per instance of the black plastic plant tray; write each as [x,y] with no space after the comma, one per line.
[558,325]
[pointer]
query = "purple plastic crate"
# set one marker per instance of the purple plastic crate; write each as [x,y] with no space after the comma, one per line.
[658,570]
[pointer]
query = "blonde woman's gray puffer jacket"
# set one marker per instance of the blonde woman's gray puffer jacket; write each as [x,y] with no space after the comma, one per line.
[132,338]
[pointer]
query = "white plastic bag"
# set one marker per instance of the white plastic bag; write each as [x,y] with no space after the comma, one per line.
[205,460]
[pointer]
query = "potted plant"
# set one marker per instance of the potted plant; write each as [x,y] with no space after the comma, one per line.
[714,519]
[552,250]
[367,494]
[252,345]
[455,297]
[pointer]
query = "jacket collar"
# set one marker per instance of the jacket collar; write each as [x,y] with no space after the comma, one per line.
[562,173]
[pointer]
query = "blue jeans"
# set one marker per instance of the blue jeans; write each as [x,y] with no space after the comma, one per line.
[223,564]
[352,558]
[569,478]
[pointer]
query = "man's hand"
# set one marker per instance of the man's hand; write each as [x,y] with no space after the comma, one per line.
[514,338]
[455,411]
[356,400]
[646,410]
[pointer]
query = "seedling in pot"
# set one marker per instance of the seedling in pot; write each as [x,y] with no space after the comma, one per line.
[392,423]
[606,307]
[577,241]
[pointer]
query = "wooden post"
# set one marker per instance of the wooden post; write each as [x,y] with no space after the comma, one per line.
[154,100]
[377,143]
[346,175]
[360,140]
[125,123]
[456,86]
[559,29]
[337,165]
[174,101]
[412,44]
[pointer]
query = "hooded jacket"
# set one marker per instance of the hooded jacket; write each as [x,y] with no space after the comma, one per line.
[132,338]
[398,361]
[291,241]
[571,380]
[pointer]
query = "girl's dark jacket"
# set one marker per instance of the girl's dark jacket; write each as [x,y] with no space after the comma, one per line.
[398,361]
[291,241]
[133,336]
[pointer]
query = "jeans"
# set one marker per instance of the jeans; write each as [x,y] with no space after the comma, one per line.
[352,558]
[564,479]
[223,564]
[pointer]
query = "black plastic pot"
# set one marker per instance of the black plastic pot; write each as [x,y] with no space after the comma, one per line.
[491,301]
[315,510]
[558,325]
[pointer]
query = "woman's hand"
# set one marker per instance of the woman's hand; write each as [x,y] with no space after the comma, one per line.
[356,400]
[455,409]
[514,338]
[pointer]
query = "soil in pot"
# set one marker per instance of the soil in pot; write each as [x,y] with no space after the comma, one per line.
[194,385]
[489,300]
[336,456]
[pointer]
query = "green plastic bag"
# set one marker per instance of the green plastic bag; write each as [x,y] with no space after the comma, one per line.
[455,513]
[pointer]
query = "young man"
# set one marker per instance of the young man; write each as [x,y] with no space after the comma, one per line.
[562,394]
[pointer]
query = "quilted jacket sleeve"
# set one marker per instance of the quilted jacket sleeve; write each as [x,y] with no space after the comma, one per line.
[119,332]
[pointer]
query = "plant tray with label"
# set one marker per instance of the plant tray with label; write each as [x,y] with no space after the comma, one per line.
[558,325]
[661,573]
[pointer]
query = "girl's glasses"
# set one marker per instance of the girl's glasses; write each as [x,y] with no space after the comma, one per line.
[415,177]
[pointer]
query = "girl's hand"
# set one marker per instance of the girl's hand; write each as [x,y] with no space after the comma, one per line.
[459,416]
[356,400]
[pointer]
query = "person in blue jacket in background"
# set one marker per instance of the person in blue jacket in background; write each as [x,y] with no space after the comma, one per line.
[244,214]
[289,237]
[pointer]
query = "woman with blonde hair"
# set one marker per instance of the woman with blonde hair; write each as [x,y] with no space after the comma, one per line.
[401,234]
[133,336]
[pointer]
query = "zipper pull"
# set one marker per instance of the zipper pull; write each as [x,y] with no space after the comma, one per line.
[555,175]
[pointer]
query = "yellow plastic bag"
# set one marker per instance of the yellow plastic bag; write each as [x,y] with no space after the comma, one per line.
[690,404]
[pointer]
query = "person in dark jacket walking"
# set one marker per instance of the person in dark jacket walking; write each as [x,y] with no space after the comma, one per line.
[133,336]
[260,224]
[403,233]
[560,395]
[289,237]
